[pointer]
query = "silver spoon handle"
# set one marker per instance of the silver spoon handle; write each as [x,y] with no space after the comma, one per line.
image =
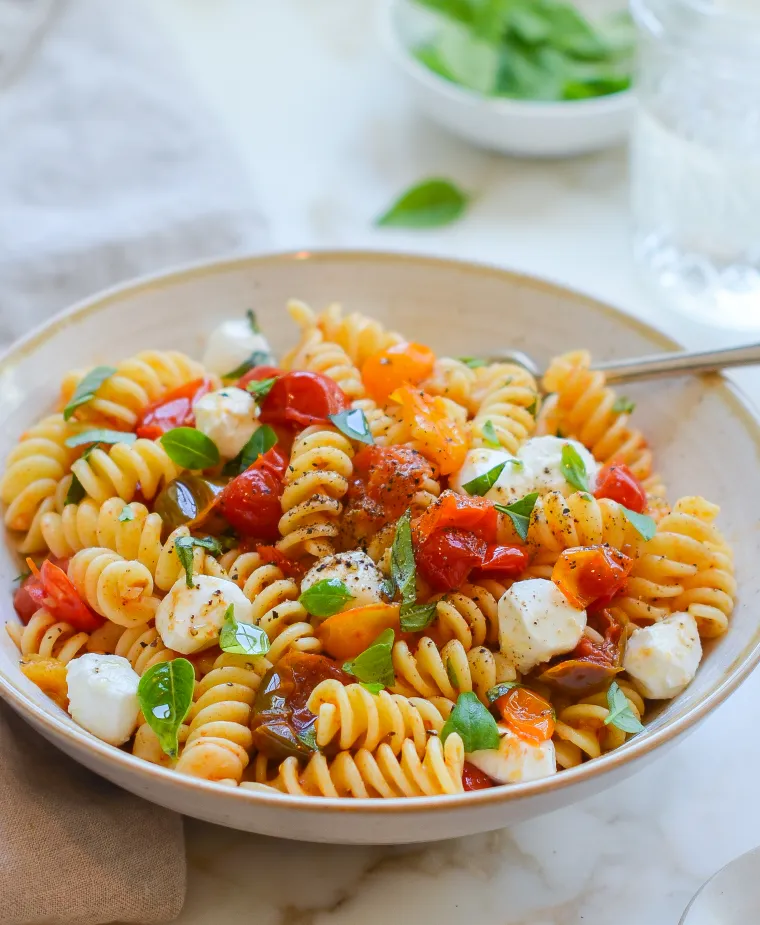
[679,364]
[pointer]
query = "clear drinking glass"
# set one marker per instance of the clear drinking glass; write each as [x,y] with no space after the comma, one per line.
[695,160]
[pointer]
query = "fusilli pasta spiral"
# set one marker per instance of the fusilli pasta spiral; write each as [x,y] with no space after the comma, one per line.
[44,635]
[119,470]
[119,589]
[316,480]
[357,334]
[507,396]
[377,774]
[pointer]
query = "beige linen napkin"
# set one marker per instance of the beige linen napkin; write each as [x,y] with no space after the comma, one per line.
[74,848]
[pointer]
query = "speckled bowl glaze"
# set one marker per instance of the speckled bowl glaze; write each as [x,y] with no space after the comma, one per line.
[458,308]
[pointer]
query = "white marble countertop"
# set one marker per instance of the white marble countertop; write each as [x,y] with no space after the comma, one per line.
[319,118]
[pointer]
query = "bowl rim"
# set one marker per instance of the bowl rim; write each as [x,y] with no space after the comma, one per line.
[57,724]
[396,47]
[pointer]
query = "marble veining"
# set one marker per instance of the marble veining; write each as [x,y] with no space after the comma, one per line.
[318,117]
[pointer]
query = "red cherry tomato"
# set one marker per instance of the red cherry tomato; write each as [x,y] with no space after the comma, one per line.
[257,374]
[50,587]
[502,562]
[289,567]
[608,652]
[175,409]
[475,779]
[251,501]
[591,576]
[452,510]
[389,369]
[618,483]
[447,557]
[303,398]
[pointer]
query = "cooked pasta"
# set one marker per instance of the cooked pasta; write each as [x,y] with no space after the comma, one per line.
[121,469]
[376,573]
[381,773]
[138,381]
[315,481]
[33,470]
[507,396]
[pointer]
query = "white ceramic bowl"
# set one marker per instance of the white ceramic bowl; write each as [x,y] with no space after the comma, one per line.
[458,308]
[525,129]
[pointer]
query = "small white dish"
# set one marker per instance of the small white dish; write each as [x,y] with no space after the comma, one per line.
[516,127]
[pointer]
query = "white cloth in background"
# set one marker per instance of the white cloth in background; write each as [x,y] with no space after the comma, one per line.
[110,167]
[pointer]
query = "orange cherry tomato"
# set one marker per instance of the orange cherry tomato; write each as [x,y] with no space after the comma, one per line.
[175,409]
[476,515]
[403,363]
[589,575]
[528,715]
[345,635]
[618,483]
[432,431]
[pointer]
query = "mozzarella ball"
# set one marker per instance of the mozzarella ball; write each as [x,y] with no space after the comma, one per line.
[537,622]
[190,619]
[513,483]
[103,696]
[543,459]
[356,570]
[663,658]
[231,344]
[228,417]
[515,760]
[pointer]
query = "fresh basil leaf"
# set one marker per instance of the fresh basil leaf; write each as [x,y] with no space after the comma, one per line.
[403,568]
[452,675]
[475,725]
[190,448]
[490,437]
[533,408]
[325,597]
[308,737]
[242,638]
[353,423]
[471,59]
[100,435]
[388,588]
[415,617]
[570,32]
[428,55]
[374,687]
[126,514]
[261,441]
[76,492]
[643,524]
[519,513]
[623,405]
[621,714]
[430,204]
[499,690]
[257,358]
[253,321]
[260,388]
[573,468]
[484,483]
[184,546]
[374,665]
[527,23]
[165,694]
[87,387]
[473,362]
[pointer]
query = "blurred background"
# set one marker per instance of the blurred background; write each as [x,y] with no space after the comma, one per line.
[185,129]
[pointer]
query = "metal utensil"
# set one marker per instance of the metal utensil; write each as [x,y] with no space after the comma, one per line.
[655,366]
[730,897]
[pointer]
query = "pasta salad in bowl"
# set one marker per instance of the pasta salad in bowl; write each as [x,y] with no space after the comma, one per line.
[354,569]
